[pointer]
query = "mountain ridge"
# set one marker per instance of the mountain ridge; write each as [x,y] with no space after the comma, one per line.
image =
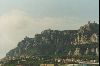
[83,41]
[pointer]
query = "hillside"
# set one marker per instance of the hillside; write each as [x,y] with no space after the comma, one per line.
[81,42]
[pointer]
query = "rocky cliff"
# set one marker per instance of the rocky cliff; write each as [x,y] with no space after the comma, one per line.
[84,41]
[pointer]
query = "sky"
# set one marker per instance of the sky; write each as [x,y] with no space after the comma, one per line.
[20,18]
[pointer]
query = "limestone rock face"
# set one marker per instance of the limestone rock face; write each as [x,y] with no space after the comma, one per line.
[97,51]
[77,52]
[53,42]
[94,38]
[87,51]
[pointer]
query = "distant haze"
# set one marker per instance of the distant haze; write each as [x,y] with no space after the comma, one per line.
[20,18]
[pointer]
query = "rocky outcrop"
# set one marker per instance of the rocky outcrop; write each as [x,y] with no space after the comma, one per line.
[83,41]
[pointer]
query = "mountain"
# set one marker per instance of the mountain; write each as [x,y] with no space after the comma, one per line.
[81,42]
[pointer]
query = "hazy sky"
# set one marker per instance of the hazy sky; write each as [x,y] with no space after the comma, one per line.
[20,18]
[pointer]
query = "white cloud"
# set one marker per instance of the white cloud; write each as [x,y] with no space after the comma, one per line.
[15,25]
